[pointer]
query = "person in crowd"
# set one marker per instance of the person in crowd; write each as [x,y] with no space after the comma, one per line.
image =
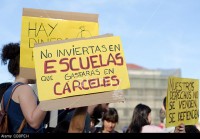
[110,119]
[23,103]
[124,129]
[180,129]
[96,113]
[162,117]
[191,129]
[93,122]
[141,121]
[167,129]
[76,122]
[62,127]
[4,87]
[198,126]
[69,115]
[186,129]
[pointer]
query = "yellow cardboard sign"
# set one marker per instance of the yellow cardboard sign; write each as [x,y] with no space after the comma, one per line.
[40,29]
[80,67]
[182,101]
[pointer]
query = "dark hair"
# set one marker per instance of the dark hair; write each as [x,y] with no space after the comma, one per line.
[191,129]
[62,127]
[139,118]
[4,87]
[111,115]
[164,102]
[98,113]
[95,120]
[11,52]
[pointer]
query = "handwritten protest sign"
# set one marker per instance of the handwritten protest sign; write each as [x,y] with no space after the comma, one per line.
[182,101]
[80,67]
[39,26]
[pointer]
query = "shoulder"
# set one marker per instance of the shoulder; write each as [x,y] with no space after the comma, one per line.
[152,129]
[24,90]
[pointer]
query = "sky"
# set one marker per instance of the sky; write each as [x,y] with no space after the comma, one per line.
[155,34]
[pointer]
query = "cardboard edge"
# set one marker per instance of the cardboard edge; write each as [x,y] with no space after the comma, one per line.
[72,40]
[27,73]
[80,101]
[77,16]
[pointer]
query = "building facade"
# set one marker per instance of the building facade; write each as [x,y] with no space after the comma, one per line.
[148,87]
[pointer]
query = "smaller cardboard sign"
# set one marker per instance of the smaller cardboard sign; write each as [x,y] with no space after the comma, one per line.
[182,101]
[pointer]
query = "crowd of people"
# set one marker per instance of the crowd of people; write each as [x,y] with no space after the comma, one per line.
[98,118]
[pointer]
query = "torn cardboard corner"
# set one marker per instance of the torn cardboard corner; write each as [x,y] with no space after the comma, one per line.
[84,100]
